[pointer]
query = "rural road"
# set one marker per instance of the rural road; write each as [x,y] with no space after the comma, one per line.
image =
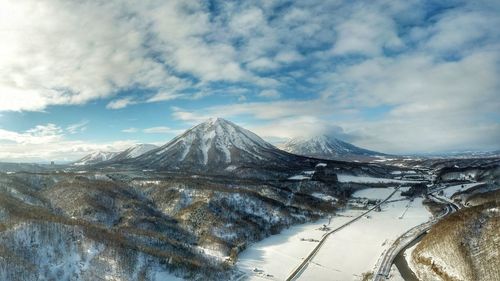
[384,268]
[297,271]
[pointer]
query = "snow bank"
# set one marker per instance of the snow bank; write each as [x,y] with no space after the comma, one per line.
[367,179]
[449,191]
[324,197]
[299,177]
[373,193]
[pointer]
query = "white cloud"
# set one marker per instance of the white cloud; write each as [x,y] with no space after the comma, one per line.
[288,56]
[134,45]
[262,110]
[248,21]
[421,136]
[262,64]
[437,76]
[164,96]
[158,130]
[59,151]
[418,84]
[48,63]
[120,103]
[130,130]
[153,130]
[190,117]
[430,105]
[143,45]
[298,126]
[48,142]
[458,31]
[152,45]
[366,32]
[270,93]
[77,127]
[38,135]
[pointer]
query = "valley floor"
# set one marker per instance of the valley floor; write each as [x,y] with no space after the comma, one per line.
[347,254]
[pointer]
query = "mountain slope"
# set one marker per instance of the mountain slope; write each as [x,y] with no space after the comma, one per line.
[216,144]
[95,157]
[105,156]
[462,246]
[134,151]
[327,148]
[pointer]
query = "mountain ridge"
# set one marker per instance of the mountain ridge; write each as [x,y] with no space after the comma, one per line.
[327,147]
[134,151]
[99,156]
[95,158]
[215,144]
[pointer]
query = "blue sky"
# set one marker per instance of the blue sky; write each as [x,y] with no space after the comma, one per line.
[392,76]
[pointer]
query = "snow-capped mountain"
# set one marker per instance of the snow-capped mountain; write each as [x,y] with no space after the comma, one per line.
[134,151]
[327,148]
[95,157]
[216,144]
[103,156]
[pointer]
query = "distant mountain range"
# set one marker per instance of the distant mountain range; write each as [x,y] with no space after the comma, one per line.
[219,144]
[462,154]
[216,144]
[326,147]
[103,156]
[95,157]
[134,151]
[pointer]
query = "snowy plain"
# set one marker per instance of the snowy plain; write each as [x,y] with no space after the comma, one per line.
[367,179]
[347,254]
[449,191]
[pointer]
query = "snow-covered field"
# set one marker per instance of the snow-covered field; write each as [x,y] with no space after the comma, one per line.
[366,179]
[305,175]
[356,249]
[449,191]
[377,193]
[278,255]
[347,254]
[299,177]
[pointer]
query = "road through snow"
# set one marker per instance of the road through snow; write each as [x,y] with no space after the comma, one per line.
[345,255]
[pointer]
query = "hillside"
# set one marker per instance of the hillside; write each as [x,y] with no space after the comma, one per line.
[463,246]
[91,226]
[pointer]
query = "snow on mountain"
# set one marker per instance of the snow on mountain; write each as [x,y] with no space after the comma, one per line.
[95,157]
[214,144]
[326,147]
[134,151]
[102,156]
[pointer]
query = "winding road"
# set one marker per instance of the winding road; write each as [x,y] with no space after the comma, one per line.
[384,267]
[301,267]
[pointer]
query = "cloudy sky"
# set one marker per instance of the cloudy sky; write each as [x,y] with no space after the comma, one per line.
[393,76]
